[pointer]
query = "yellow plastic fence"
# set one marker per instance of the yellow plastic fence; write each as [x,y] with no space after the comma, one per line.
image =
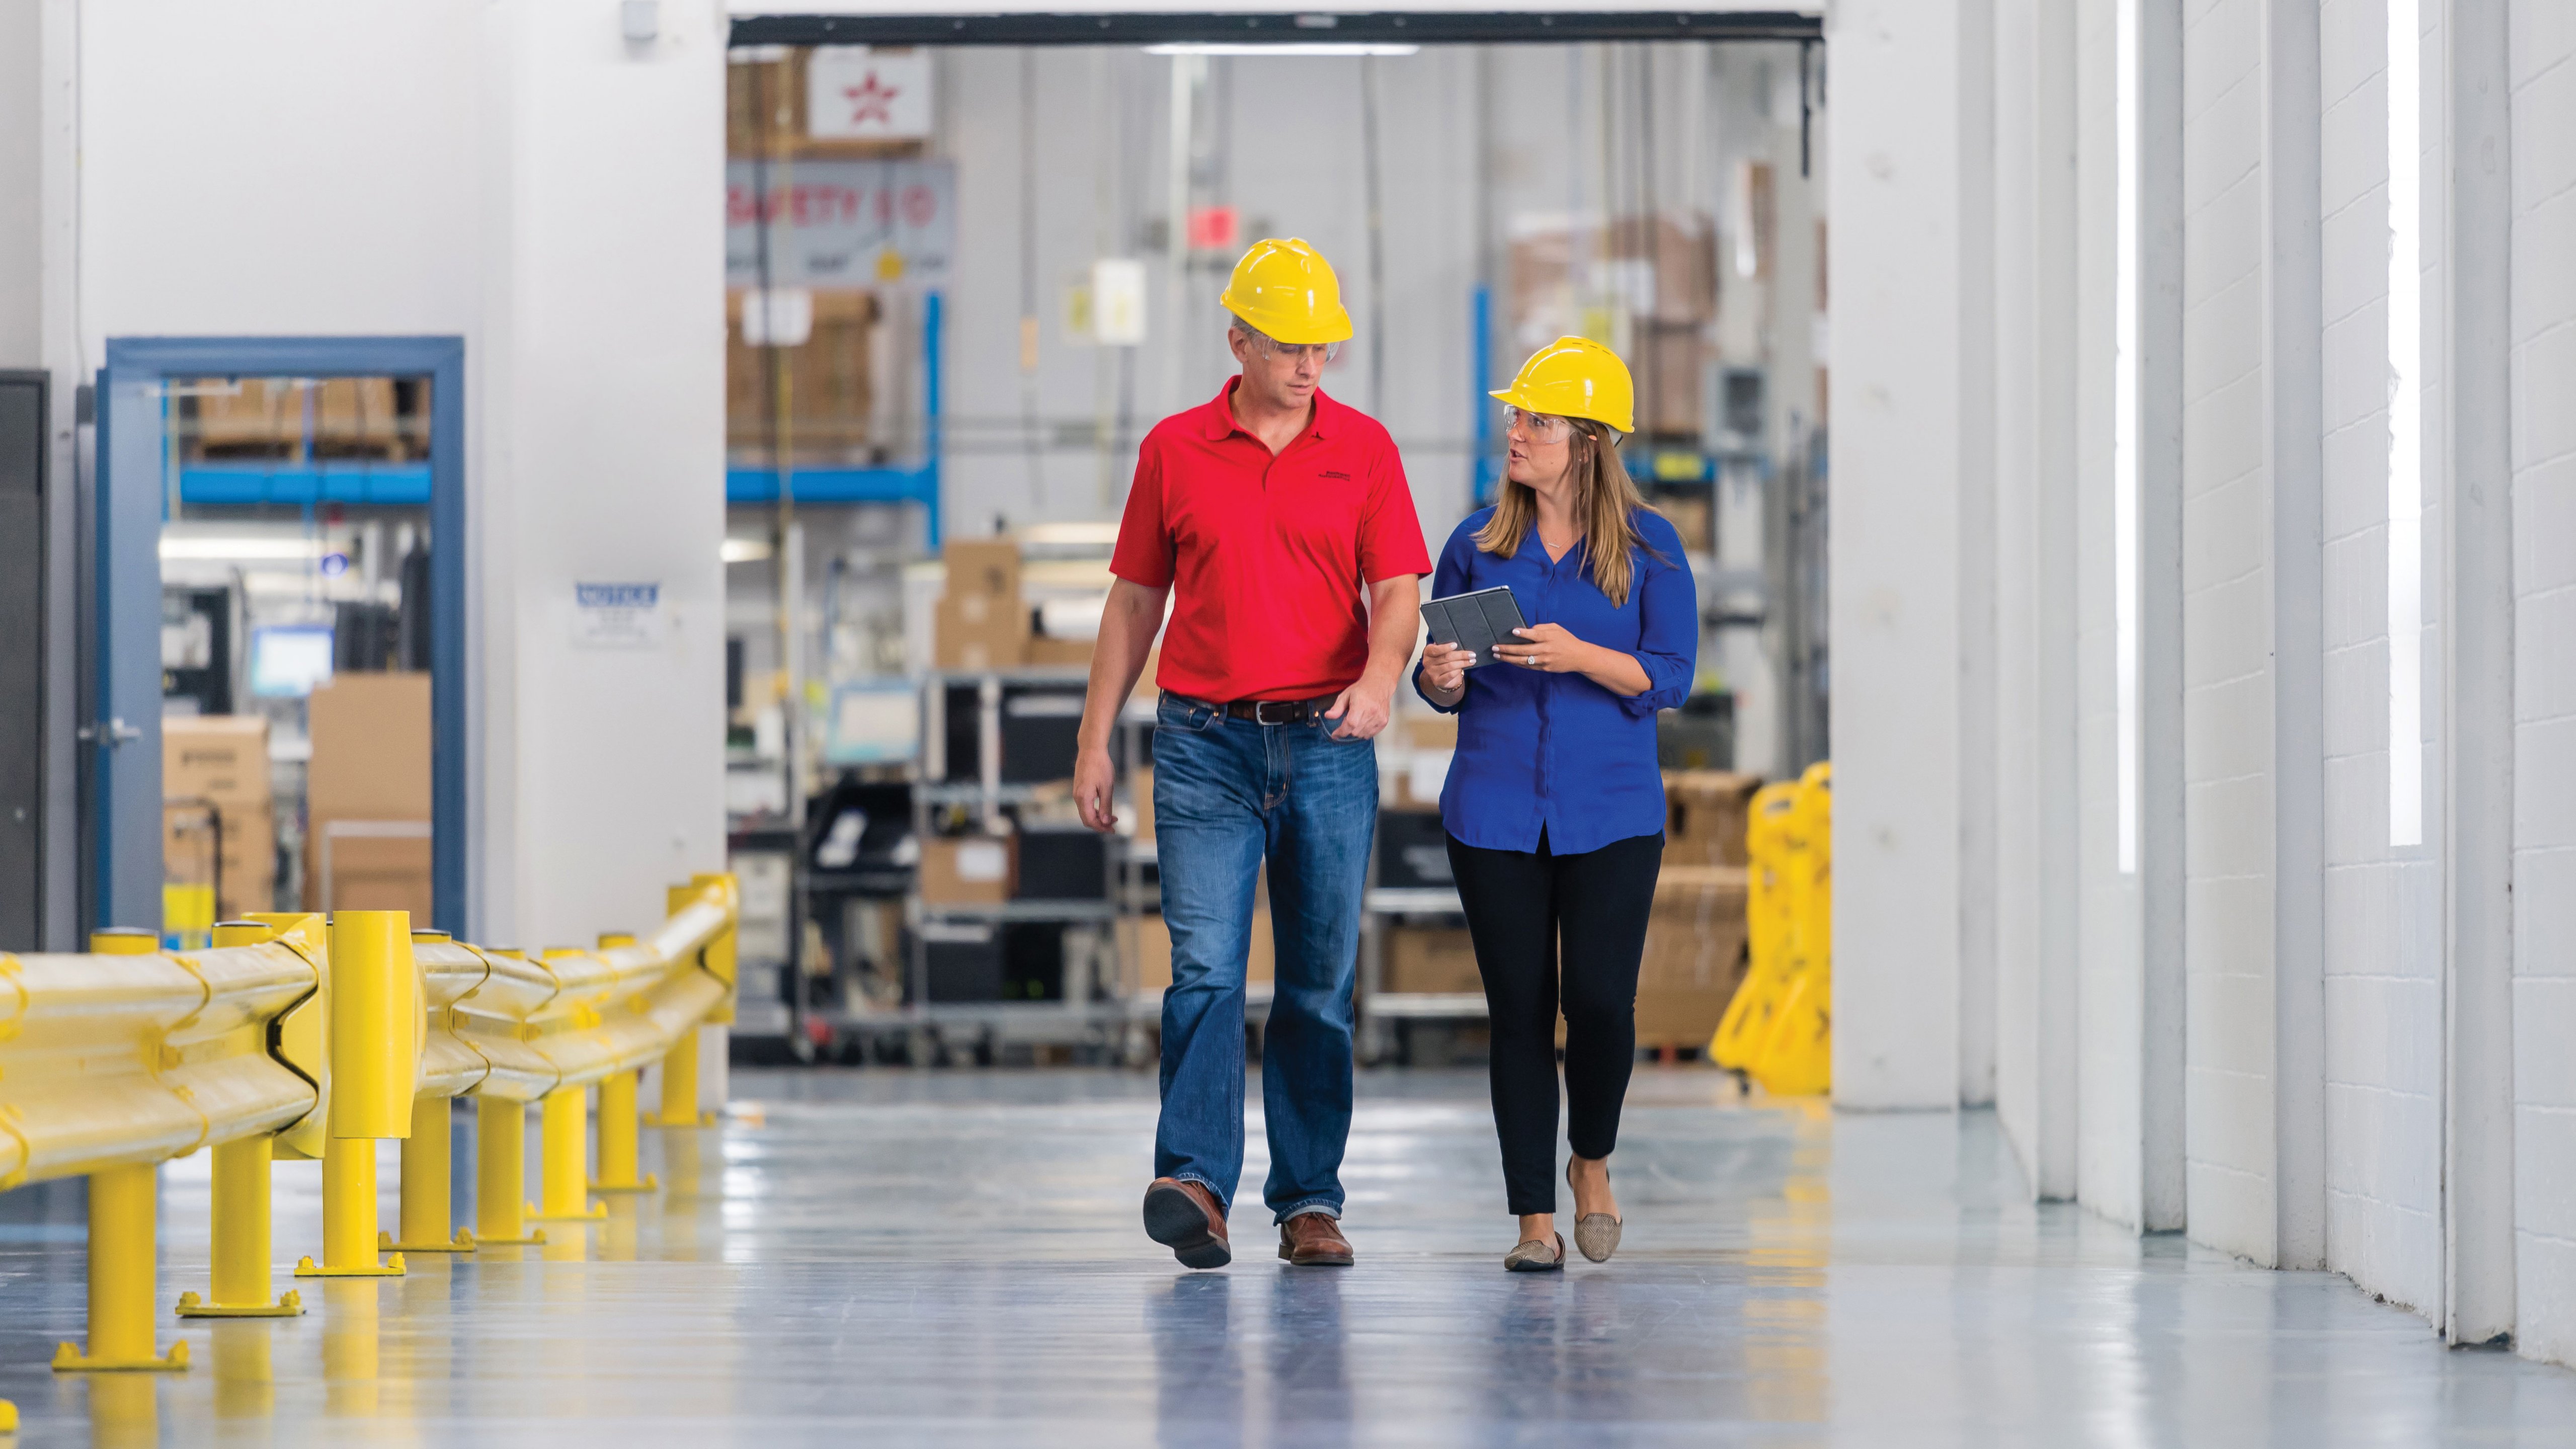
[1779,1028]
[297,1036]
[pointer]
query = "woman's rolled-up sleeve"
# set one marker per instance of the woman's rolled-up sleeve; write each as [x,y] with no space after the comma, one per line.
[1450,578]
[1668,610]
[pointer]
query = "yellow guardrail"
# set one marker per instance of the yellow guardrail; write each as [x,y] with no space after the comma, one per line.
[296,1036]
[1779,1028]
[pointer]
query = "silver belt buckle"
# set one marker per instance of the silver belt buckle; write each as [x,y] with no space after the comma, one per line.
[1261,711]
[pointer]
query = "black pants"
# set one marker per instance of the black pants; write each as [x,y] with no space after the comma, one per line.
[1520,905]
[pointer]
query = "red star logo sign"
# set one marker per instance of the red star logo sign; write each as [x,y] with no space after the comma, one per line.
[871,100]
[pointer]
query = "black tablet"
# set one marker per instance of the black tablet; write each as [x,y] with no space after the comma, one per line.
[1476,622]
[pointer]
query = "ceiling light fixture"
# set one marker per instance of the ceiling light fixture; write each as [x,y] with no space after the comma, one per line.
[1292,48]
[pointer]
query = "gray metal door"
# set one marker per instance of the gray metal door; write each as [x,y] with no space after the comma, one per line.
[124,731]
[22,657]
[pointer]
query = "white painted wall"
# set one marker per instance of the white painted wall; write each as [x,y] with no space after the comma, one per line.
[2543,60]
[517,177]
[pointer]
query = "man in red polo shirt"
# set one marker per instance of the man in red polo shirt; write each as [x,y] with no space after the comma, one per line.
[1280,523]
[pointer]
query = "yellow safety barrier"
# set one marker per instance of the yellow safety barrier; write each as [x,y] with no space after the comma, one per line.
[1779,1028]
[295,1037]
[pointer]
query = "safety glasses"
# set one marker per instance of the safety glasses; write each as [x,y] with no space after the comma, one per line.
[1318,353]
[1539,427]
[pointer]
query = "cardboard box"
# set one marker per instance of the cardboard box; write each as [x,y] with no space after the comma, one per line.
[1692,518]
[1432,732]
[968,870]
[1704,816]
[1149,945]
[1671,370]
[218,757]
[831,389]
[1660,269]
[1431,959]
[248,861]
[982,631]
[1694,954]
[1140,790]
[1047,653]
[986,566]
[370,768]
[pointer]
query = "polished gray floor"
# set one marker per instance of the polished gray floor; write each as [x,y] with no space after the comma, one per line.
[954,1259]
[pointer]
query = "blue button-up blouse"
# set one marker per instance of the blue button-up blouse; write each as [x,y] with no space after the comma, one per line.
[1557,752]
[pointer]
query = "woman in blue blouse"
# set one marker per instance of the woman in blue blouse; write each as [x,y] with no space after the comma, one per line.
[1555,805]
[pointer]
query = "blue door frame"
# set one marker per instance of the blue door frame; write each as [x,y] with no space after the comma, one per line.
[126,779]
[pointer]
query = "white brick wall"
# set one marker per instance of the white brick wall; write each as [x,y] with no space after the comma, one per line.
[2382,997]
[2227,701]
[2544,494]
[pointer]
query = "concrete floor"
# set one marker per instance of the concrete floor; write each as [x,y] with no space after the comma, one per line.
[955,1258]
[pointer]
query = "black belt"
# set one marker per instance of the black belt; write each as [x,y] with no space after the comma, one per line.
[1267,711]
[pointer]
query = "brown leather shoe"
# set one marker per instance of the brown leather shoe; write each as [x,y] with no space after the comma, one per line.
[1314,1240]
[1186,1218]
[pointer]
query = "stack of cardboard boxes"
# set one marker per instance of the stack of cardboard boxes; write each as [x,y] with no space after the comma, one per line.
[1695,939]
[370,770]
[220,762]
[983,621]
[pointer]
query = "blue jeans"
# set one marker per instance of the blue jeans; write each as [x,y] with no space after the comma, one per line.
[1227,794]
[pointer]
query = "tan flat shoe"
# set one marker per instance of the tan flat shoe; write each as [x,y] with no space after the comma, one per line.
[1533,1256]
[1595,1234]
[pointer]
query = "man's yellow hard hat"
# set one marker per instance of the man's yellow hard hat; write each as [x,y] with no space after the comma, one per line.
[1287,292]
[1576,377]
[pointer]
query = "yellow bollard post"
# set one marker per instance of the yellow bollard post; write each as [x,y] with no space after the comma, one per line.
[680,1085]
[618,1155]
[680,1064]
[240,1280]
[562,1193]
[618,1151]
[123,1204]
[376,1027]
[426,1178]
[501,1174]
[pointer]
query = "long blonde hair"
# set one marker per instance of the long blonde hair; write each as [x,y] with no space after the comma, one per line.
[1606,501]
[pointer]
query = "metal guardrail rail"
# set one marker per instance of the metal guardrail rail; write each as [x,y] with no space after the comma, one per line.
[305,1036]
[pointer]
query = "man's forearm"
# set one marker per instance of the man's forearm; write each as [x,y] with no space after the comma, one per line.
[1395,622]
[1127,629]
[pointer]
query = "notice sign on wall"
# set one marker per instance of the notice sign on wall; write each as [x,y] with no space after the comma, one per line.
[853,93]
[841,223]
[618,616]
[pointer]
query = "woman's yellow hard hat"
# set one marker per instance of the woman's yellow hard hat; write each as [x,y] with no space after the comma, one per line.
[1576,377]
[1287,291]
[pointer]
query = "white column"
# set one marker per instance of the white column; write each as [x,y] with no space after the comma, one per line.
[2478,668]
[2036,478]
[2251,575]
[1908,407]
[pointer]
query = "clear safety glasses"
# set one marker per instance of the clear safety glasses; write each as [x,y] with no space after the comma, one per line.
[1541,427]
[1319,353]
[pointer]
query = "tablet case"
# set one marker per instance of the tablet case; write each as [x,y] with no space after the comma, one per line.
[1476,621]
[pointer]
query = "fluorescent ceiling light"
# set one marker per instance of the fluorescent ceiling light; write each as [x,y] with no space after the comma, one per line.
[243,548]
[745,550]
[1229,47]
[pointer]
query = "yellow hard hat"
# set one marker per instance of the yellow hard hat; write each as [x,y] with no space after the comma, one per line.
[1576,377]
[1287,291]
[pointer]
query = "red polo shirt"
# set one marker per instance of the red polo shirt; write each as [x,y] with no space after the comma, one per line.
[1268,556]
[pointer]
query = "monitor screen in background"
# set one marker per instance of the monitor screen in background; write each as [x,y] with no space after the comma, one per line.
[289,660]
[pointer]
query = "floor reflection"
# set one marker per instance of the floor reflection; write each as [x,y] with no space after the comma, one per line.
[954,1259]
[1198,1367]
